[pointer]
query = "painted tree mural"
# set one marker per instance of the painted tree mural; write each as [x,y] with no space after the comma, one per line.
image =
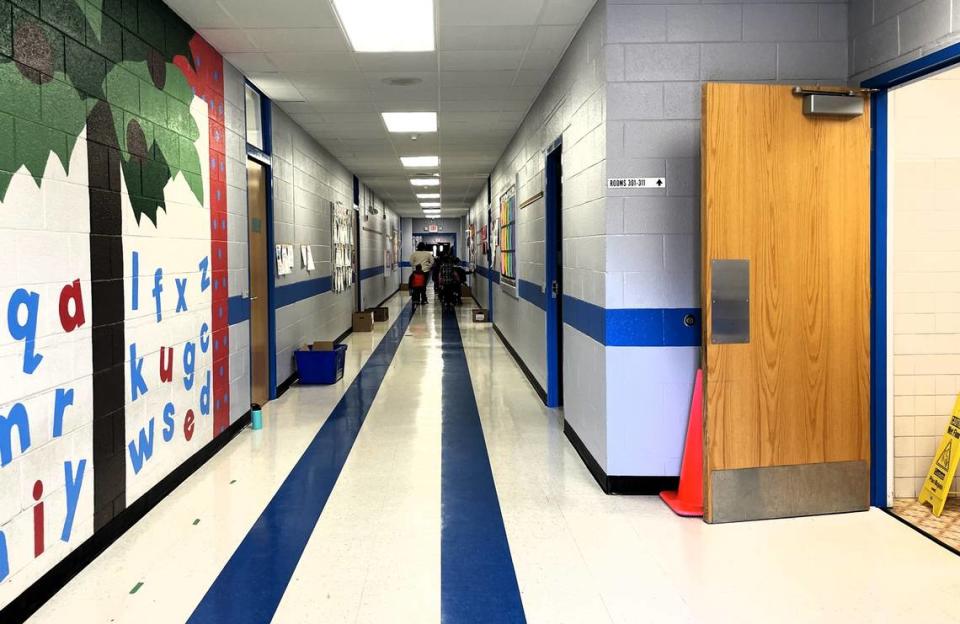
[70,65]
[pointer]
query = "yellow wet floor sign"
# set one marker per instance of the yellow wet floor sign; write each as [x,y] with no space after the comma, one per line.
[945,460]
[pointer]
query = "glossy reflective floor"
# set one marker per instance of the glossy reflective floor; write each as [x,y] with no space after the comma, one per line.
[422,491]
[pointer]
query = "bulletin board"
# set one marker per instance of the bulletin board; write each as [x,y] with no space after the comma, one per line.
[343,244]
[507,242]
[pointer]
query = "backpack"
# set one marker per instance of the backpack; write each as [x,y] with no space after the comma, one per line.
[448,275]
[418,280]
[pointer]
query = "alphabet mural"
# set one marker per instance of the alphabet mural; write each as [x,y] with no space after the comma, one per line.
[114,357]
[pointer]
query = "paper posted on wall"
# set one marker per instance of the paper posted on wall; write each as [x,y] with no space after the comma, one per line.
[311,265]
[303,255]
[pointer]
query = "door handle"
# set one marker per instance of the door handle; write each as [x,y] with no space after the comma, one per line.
[555,289]
[254,298]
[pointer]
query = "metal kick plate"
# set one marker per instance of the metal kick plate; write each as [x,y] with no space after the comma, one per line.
[789,491]
[730,301]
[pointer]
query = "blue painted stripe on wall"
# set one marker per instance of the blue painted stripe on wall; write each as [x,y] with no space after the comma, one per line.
[405,264]
[532,293]
[291,293]
[366,274]
[478,582]
[633,327]
[249,588]
[238,309]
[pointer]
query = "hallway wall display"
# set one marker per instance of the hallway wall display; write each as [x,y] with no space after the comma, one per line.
[115,350]
[343,246]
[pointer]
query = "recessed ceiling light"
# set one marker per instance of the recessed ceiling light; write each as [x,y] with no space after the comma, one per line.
[430,204]
[420,161]
[410,122]
[387,25]
[425,181]
[428,195]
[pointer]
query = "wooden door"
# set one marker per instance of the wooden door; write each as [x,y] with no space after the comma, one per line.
[259,265]
[787,406]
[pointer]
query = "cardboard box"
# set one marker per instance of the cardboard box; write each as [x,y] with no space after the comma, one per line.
[465,291]
[404,287]
[363,321]
[380,315]
[480,316]
[324,345]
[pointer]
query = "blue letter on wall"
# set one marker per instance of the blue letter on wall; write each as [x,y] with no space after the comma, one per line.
[17,418]
[26,331]
[140,455]
[74,483]
[63,400]
[137,384]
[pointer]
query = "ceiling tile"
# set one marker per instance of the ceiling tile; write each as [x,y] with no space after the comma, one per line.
[569,12]
[301,40]
[489,12]
[229,40]
[485,38]
[477,79]
[322,61]
[404,62]
[541,59]
[251,62]
[277,87]
[476,60]
[553,37]
[278,13]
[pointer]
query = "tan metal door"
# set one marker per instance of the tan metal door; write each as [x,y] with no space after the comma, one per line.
[786,242]
[259,265]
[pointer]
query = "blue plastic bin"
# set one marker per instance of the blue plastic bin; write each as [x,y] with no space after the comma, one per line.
[321,367]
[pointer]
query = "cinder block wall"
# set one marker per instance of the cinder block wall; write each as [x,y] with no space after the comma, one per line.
[884,34]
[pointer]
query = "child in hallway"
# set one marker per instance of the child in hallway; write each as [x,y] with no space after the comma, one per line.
[418,285]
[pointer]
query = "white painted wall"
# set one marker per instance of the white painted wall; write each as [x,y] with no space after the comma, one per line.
[306,178]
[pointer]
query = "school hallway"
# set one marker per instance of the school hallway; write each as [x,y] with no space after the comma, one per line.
[382,499]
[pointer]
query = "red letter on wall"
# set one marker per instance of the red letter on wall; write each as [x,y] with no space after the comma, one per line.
[188,425]
[71,292]
[166,364]
[37,519]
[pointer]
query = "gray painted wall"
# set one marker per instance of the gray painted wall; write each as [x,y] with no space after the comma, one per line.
[888,33]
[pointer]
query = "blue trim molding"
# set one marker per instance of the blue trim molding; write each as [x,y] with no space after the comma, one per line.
[532,293]
[637,327]
[298,291]
[366,274]
[238,310]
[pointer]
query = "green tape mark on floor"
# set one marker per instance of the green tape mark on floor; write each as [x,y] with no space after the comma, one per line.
[196,522]
[136,588]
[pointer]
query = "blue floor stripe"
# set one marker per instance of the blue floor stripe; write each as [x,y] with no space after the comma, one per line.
[249,588]
[477,579]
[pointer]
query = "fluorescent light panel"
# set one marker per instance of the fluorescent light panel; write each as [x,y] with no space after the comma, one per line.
[428,195]
[425,181]
[429,204]
[387,25]
[420,161]
[410,122]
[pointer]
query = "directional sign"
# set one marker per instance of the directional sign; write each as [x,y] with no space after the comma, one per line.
[637,183]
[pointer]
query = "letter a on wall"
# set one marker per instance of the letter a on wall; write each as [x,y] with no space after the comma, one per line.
[945,460]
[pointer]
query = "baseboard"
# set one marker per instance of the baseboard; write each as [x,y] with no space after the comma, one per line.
[285,385]
[526,371]
[613,484]
[35,596]
[389,297]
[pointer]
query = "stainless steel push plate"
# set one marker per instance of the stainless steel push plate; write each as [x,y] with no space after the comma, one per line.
[730,301]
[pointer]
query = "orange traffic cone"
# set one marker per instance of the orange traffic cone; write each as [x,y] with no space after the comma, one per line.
[688,501]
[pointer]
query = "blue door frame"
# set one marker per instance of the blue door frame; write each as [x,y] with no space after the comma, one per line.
[552,273]
[914,70]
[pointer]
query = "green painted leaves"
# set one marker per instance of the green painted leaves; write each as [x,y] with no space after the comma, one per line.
[59,71]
